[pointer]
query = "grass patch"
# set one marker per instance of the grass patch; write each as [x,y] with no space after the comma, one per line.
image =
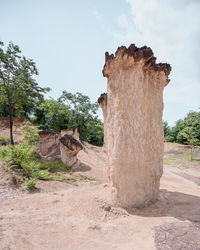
[30,183]
[95,228]
[58,177]
[178,162]
[175,161]
[166,162]
[54,166]
[73,178]
[5,139]
[187,155]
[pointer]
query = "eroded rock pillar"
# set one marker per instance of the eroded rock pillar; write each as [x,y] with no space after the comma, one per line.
[133,124]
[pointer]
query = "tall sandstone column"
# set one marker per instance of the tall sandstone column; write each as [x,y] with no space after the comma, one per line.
[132,112]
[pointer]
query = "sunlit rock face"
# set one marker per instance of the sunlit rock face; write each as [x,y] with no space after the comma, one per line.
[133,124]
[69,147]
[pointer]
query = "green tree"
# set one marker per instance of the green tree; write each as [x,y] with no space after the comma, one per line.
[53,115]
[169,134]
[176,129]
[83,111]
[18,88]
[96,132]
[190,132]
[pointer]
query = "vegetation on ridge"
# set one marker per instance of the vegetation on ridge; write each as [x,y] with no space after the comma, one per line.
[186,131]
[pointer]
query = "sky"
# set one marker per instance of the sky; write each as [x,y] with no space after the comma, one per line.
[68,40]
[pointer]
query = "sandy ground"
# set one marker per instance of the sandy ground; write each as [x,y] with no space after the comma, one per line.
[64,216]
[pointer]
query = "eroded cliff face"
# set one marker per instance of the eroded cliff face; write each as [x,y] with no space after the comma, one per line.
[133,124]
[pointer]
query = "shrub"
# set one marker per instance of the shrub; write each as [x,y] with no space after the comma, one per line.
[21,159]
[30,183]
[4,152]
[43,175]
[30,169]
[5,139]
[31,135]
[20,155]
[54,165]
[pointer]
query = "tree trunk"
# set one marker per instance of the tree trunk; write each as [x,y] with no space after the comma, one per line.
[11,127]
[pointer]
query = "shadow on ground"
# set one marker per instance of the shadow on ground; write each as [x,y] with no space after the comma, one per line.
[173,204]
[81,168]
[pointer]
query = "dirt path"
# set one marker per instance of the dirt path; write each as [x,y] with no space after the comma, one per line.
[64,216]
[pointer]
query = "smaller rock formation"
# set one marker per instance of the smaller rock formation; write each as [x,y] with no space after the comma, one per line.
[69,148]
[49,145]
[76,154]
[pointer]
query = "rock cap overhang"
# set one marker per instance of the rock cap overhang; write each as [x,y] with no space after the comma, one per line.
[144,53]
[102,98]
[69,140]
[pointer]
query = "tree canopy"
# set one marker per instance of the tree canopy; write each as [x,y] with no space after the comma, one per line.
[19,91]
[71,111]
[186,131]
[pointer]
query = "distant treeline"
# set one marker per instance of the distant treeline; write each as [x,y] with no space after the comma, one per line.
[186,131]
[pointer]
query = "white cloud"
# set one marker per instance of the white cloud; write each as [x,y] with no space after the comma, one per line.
[171,28]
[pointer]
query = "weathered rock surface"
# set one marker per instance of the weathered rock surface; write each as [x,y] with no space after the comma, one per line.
[69,148]
[49,145]
[133,123]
